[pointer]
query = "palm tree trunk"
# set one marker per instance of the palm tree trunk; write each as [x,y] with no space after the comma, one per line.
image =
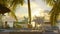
[29,11]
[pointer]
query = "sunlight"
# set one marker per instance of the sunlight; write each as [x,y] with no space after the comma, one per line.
[38,12]
[42,14]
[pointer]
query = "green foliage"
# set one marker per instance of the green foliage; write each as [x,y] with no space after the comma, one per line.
[15,2]
[11,4]
[50,2]
[4,9]
[54,13]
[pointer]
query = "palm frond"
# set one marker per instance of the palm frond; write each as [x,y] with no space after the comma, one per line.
[13,4]
[4,9]
[53,18]
[50,2]
[54,13]
[13,15]
[16,2]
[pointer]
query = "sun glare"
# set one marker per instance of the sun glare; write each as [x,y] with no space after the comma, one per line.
[37,13]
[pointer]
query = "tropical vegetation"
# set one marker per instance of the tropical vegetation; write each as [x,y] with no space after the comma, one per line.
[54,13]
[8,6]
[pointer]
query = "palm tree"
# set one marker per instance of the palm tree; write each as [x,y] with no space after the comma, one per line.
[8,6]
[29,12]
[11,5]
[55,10]
[14,4]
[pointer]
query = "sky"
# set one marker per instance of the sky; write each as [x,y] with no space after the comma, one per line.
[36,5]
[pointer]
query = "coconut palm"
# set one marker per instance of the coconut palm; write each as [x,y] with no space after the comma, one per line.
[13,5]
[55,10]
[8,6]
[29,12]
